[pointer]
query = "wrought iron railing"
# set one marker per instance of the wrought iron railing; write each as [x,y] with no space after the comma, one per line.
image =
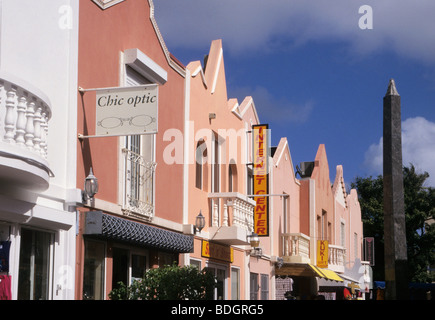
[138,189]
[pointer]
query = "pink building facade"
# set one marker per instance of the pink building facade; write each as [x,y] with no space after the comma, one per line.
[200,156]
[135,221]
[201,160]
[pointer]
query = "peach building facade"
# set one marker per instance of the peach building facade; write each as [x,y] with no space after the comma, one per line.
[152,186]
[216,136]
[201,160]
[135,221]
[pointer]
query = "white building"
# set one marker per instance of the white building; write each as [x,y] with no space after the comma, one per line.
[38,141]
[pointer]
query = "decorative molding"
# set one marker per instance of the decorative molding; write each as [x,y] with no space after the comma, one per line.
[104,4]
[143,64]
[174,65]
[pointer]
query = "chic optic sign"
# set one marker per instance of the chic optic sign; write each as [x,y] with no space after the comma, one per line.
[127,110]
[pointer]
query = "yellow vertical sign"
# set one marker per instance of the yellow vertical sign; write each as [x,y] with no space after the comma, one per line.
[322,253]
[261,181]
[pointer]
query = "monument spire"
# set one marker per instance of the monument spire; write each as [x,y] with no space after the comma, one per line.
[392,91]
[396,263]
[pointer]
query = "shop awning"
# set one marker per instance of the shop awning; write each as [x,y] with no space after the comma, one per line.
[306,270]
[327,274]
[106,226]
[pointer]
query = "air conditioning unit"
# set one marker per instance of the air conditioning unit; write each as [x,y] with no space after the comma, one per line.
[305,169]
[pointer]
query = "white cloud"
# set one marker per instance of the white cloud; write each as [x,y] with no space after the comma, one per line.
[404,26]
[418,148]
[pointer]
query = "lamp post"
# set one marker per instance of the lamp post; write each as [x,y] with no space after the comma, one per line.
[91,186]
[199,222]
[254,241]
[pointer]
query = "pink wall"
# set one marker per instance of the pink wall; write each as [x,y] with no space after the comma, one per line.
[324,198]
[208,95]
[284,182]
[101,40]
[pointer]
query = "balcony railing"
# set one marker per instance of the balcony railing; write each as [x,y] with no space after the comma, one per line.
[24,116]
[337,258]
[295,247]
[138,193]
[232,217]
[232,209]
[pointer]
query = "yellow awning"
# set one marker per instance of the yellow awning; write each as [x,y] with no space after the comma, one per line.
[331,275]
[326,273]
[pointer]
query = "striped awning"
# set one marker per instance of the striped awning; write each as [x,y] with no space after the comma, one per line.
[98,224]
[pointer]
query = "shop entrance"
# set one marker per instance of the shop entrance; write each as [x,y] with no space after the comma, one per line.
[220,274]
[120,267]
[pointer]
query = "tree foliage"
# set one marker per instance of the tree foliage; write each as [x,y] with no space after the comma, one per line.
[168,283]
[419,218]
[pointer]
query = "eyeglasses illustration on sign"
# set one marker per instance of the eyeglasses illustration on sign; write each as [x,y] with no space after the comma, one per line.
[141,120]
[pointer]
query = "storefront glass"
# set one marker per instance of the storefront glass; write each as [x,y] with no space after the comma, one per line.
[93,277]
[34,267]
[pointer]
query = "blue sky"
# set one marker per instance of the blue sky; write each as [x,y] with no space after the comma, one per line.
[318,78]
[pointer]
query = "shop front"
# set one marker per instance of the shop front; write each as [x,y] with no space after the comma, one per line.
[115,249]
[225,262]
[302,280]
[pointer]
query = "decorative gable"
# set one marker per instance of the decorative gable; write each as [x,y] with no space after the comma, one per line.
[104,4]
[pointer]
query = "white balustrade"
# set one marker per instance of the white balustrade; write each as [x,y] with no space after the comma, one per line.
[295,245]
[23,118]
[232,209]
[337,256]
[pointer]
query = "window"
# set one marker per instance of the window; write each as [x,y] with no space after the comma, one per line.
[139,164]
[264,287]
[235,284]
[201,165]
[355,246]
[35,264]
[216,164]
[220,274]
[253,285]
[196,263]
[93,273]
[322,226]
[343,234]
[232,178]
[250,181]
[128,265]
[138,266]
[120,267]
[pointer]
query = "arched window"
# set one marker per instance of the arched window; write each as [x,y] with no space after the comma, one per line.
[232,177]
[200,162]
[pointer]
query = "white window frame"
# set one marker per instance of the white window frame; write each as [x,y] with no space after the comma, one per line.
[237,269]
[216,266]
[150,72]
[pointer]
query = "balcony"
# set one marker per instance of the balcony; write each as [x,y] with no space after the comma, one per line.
[24,116]
[232,218]
[138,186]
[295,248]
[337,258]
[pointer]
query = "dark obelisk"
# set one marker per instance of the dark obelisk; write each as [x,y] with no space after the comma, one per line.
[396,270]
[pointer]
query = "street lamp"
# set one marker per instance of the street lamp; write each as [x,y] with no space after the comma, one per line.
[91,185]
[253,239]
[199,222]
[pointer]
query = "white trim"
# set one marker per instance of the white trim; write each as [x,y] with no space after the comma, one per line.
[282,152]
[179,69]
[216,72]
[104,4]
[143,64]
[186,153]
[200,71]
